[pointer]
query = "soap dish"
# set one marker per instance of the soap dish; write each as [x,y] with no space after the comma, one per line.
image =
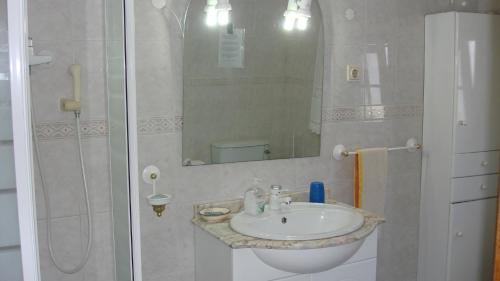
[216,214]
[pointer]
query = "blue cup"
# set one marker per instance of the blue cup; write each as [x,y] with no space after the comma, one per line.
[317,192]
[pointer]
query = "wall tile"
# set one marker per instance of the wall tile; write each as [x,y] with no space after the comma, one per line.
[465,5]
[50,19]
[381,21]
[98,267]
[88,19]
[489,5]
[67,246]
[90,55]
[347,92]
[345,31]
[96,156]
[61,170]
[380,69]
[410,75]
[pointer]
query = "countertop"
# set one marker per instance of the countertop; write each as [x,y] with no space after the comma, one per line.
[223,232]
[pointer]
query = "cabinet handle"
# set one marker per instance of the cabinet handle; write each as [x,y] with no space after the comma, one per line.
[462,123]
[459,234]
[484,163]
[483,186]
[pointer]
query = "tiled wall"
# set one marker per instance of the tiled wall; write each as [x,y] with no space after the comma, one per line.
[386,37]
[72,32]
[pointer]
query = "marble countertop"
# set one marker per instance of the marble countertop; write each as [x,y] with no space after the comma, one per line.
[235,240]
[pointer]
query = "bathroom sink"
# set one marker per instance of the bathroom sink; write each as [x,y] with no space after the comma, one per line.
[301,222]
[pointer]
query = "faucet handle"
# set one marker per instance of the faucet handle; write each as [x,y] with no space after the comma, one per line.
[276,189]
[287,200]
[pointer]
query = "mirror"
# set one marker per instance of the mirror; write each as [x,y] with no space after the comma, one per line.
[253,80]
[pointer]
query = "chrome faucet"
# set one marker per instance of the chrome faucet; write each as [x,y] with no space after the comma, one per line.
[276,200]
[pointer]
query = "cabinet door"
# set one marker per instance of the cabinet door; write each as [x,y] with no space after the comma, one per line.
[476,81]
[302,277]
[472,238]
[359,271]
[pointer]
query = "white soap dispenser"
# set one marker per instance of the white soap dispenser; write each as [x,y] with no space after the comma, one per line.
[254,200]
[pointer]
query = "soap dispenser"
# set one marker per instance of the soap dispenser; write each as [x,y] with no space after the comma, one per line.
[254,200]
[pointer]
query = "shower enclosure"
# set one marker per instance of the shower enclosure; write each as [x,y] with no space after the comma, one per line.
[69,105]
[10,252]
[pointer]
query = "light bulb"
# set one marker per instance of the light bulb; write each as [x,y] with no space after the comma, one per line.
[223,17]
[302,23]
[289,23]
[211,17]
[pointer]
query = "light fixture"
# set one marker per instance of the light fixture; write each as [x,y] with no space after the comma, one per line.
[297,15]
[302,23]
[223,7]
[217,12]
[290,15]
[211,13]
[289,23]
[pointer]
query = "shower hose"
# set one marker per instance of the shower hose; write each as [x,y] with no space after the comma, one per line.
[46,198]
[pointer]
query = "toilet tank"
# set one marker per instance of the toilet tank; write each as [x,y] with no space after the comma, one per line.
[240,151]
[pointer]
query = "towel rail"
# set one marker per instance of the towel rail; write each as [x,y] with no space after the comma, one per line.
[340,152]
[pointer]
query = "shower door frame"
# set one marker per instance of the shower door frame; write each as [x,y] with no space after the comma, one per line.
[17,13]
[132,133]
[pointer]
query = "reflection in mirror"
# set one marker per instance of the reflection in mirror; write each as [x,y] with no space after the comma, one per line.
[253,80]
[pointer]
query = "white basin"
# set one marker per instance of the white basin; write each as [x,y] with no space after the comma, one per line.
[304,221]
[308,260]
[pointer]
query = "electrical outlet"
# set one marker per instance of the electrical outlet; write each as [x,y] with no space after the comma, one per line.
[353,73]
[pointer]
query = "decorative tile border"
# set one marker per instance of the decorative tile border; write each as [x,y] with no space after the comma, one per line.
[203,81]
[166,125]
[371,113]
[341,114]
[61,130]
[159,125]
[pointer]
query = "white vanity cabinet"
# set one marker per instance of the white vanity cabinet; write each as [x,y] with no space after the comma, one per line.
[472,236]
[461,147]
[216,261]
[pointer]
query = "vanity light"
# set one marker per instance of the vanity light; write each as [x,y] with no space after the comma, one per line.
[223,8]
[217,12]
[302,23]
[297,15]
[290,15]
[211,13]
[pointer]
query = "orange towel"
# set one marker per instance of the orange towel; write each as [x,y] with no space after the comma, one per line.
[370,179]
[358,185]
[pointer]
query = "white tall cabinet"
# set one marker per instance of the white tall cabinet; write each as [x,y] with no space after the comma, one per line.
[461,147]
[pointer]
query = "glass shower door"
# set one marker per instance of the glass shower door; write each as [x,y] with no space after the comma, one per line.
[10,256]
[118,146]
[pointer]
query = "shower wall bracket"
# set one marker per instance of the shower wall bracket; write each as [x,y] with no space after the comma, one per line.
[69,105]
